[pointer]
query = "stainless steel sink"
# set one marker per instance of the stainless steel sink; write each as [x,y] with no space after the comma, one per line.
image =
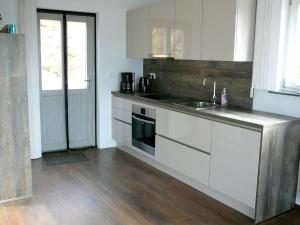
[197,105]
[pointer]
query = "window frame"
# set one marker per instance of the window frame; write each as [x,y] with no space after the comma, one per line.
[289,67]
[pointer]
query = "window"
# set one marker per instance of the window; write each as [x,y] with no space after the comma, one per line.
[292,65]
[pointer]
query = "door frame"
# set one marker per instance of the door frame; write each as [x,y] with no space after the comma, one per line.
[64,14]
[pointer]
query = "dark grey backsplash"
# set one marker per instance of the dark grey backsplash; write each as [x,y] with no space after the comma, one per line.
[185,78]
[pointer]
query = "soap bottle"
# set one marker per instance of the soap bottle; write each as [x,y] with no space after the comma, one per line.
[224,98]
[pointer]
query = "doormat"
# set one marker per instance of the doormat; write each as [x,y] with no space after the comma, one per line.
[65,158]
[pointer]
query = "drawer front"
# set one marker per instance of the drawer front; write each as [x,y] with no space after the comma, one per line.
[234,162]
[187,161]
[122,115]
[189,130]
[121,133]
[122,104]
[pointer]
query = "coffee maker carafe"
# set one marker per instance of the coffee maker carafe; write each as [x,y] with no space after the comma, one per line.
[127,82]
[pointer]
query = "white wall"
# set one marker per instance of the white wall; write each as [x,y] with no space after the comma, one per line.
[111,51]
[280,104]
[8,9]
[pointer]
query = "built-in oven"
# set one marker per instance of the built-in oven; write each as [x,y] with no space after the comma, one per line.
[143,129]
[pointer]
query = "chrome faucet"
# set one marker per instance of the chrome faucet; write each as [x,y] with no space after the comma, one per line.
[214,98]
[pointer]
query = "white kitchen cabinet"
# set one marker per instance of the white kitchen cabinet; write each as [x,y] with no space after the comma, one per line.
[122,103]
[228,30]
[121,121]
[220,30]
[183,159]
[189,130]
[122,109]
[234,162]
[122,115]
[188,27]
[137,33]
[121,133]
[161,24]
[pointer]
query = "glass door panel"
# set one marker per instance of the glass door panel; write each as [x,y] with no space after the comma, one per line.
[77,55]
[51,54]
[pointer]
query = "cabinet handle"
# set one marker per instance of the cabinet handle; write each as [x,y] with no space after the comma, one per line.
[142,120]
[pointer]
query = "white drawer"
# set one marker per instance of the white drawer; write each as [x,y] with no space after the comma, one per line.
[189,130]
[187,161]
[122,115]
[122,103]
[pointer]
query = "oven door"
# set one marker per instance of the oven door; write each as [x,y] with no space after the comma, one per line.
[143,133]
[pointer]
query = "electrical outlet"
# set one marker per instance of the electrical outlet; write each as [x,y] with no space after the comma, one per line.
[152,76]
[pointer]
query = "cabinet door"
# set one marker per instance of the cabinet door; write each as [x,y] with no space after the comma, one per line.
[161,23]
[234,162]
[187,161]
[121,133]
[188,27]
[136,33]
[189,130]
[218,35]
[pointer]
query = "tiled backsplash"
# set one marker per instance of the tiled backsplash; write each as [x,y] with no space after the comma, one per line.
[185,78]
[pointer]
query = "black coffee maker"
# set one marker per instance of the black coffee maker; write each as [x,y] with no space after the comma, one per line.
[127,82]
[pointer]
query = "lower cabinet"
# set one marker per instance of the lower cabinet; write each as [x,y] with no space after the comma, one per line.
[190,130]
[255,170]
[183,159]
[234,162]
[121,133]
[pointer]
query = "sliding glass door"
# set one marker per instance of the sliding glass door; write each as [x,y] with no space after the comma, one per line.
[67,56]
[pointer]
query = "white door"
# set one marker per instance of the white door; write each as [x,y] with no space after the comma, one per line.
[68,117]
[81,81]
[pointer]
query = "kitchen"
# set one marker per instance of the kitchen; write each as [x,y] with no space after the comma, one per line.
[213,116]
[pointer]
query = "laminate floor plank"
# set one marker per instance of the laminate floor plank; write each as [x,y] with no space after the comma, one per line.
[114,188]
[4,219]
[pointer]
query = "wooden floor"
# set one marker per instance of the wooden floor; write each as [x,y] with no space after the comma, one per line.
[117,189]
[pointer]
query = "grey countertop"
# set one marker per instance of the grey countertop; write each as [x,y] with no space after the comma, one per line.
[251,119]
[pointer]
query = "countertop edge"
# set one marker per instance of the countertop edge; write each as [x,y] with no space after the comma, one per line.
[206,115]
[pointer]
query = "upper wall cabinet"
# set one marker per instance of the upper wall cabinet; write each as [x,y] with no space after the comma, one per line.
[161,24]
[220,30]
[137,33]
[228,30]
[150,30]
[187,34]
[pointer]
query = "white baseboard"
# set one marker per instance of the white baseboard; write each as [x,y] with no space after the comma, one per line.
[15,199]
[246,210]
